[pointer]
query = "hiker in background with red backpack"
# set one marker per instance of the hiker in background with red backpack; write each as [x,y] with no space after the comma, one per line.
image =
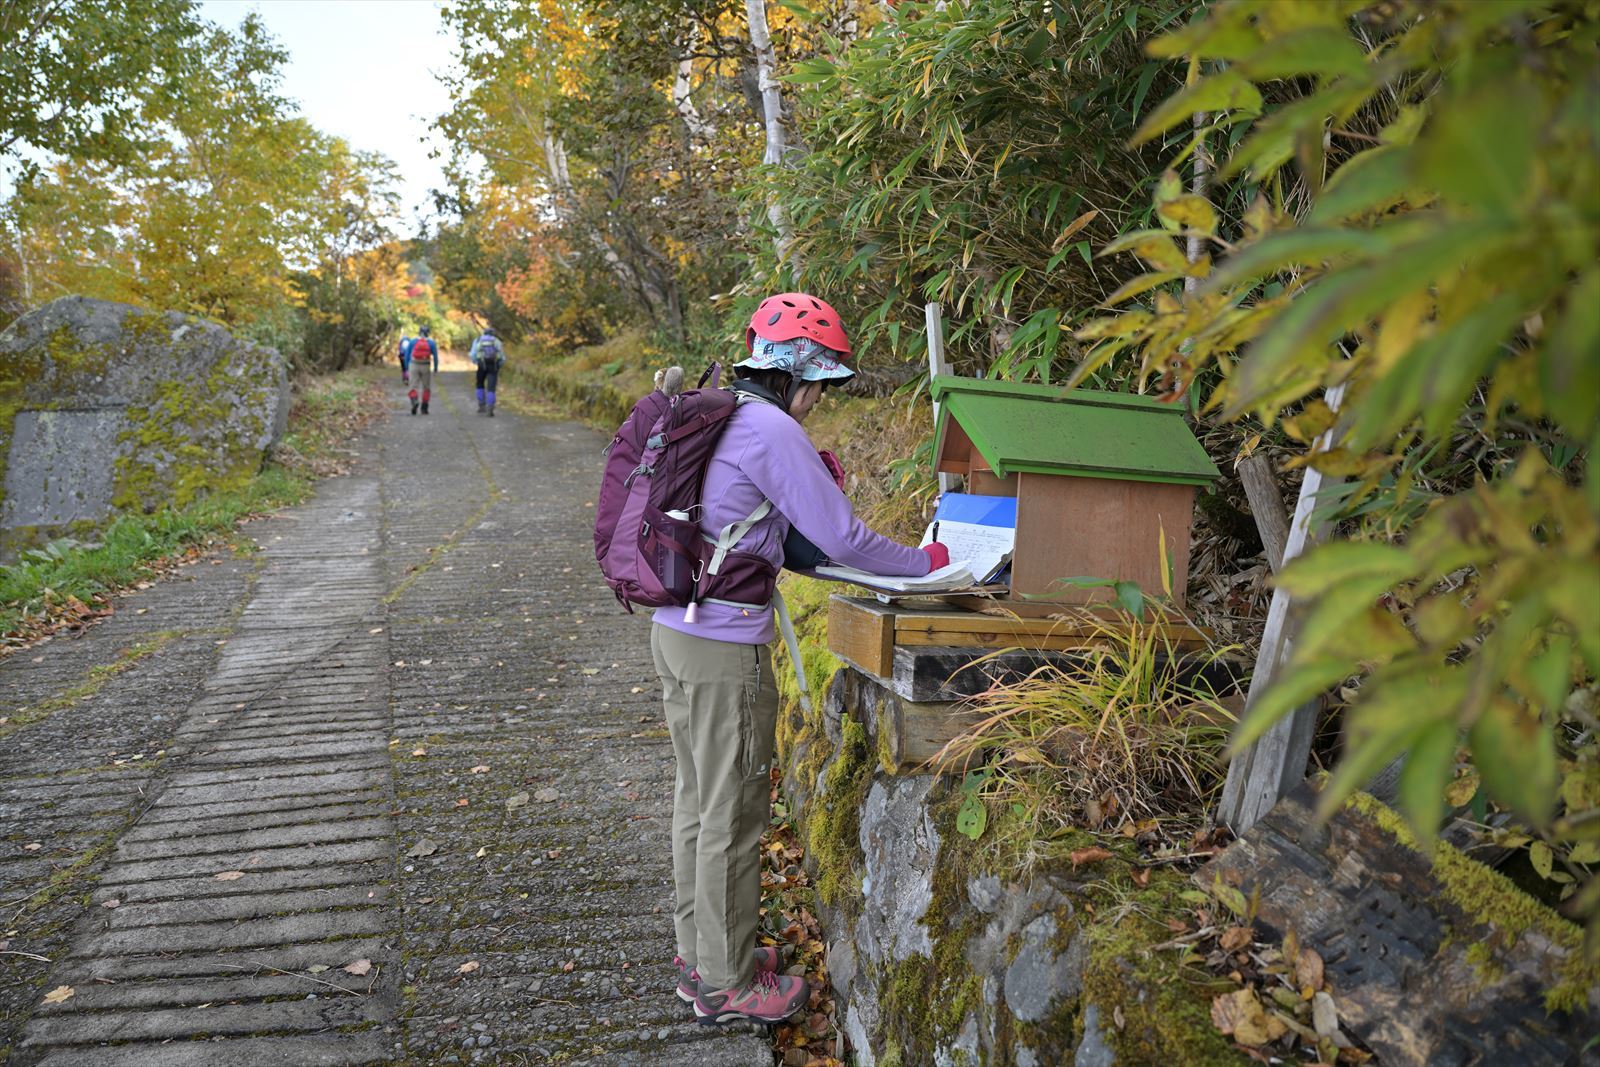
[424,365]
[700,536]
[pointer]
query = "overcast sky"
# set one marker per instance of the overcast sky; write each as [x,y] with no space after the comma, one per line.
[363,70]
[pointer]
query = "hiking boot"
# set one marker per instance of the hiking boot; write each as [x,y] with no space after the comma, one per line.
[766,998]
[767,959]
[482,407]
[413,407]
[491,411]
[424,407]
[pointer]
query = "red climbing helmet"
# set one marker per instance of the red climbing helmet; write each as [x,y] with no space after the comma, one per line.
[788,316]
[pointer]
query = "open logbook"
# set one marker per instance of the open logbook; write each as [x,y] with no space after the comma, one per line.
[979,531]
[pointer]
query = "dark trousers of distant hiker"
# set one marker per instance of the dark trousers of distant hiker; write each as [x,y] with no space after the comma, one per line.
[488,378]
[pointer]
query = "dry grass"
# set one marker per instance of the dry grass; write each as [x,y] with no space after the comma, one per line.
[1128,740]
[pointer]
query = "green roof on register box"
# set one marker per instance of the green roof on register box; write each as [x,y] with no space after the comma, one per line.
[1048,429]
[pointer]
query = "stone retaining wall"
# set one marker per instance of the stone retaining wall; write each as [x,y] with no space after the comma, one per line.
[936,959]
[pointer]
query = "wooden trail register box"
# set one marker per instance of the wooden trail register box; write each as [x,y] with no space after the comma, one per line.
[1101,479]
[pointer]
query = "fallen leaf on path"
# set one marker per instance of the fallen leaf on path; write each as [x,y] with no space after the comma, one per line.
[376,630]
[229,876]
[462,802]
[567,967]
[1308,971]
[112,903]
[1241,1015]
[1235,938]
[58,994]
[316,968]
[482,768]
[468,967]
[591,670]
[553,853]
[482,852]
[32,846]
[516,800]
[547,795]
[422,848]
[1092,854]
[357,967]
[419,752]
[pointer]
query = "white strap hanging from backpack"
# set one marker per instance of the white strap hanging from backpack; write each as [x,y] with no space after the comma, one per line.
[723,543]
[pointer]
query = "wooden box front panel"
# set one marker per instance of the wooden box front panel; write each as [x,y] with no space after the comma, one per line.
[1101,528]
[861,632]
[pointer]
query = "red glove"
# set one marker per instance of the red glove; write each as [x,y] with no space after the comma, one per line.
[835,468]
[938,555]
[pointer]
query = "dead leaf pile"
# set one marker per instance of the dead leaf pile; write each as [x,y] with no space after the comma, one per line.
[1283,1006]
[812,1039]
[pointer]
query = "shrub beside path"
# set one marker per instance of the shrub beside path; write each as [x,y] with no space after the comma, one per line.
[395,789]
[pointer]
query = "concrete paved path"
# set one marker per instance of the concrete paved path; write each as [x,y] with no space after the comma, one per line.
[394,789]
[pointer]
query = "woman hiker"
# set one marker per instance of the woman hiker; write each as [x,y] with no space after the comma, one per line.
[716,668]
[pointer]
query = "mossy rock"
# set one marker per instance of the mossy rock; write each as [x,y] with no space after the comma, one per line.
[108,407]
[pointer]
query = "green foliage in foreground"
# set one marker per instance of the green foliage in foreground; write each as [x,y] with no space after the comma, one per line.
[1422,235]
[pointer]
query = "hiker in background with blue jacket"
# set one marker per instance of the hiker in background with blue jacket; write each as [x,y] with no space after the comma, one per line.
[424,365]
[405,358]
[489,354]
[721,699]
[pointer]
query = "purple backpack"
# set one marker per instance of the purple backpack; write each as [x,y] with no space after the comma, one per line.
[647,536]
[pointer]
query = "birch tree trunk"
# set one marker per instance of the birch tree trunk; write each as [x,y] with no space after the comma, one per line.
[772,108]
[555,153]
[683,89]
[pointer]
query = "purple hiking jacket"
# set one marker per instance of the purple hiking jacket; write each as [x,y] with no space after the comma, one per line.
[764,453]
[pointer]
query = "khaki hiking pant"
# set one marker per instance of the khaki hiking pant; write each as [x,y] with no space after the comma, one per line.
[421,379]
[722,711]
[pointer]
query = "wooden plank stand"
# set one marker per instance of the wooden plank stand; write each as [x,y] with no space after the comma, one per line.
[910,671]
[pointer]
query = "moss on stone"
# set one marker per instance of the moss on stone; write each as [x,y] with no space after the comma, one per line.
[833,824]
[1489,897]
[807,600]
[1165,1007]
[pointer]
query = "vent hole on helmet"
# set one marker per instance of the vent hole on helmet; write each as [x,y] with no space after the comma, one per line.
[800,314]
[816,304]
[824,323]
[788,303]
[773,321]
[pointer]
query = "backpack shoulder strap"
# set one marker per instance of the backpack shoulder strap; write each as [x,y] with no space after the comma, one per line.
[732,534]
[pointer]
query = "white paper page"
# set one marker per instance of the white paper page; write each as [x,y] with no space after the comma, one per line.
[985,546]
[954,576]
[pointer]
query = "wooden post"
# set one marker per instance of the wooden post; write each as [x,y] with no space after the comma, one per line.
[1266,504]
[938,363]
[1276,763]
